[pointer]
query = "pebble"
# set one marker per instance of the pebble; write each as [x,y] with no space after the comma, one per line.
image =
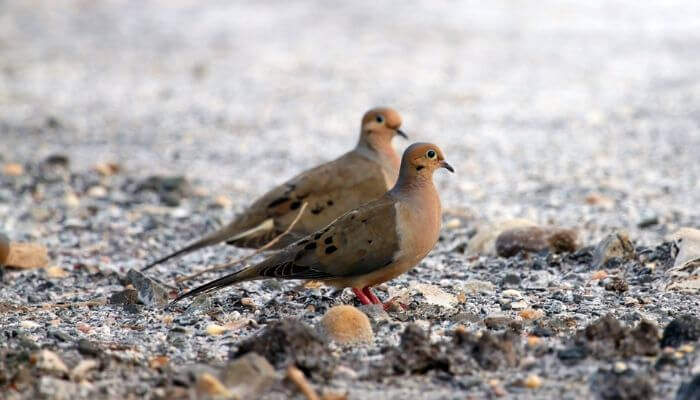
[616,284]
[484,242]
[149,291]
[215,330]
[50,362]
[248,376]
[80,371]
[474,286]
[534,239]
[434,295]
[532,382]
[619,367]
[13,169]
[512,294]
[107,168]
[530,314]
[346,324]
[600,200]
[209,385]
[518,305]
[56,272]
[98,192]
[28,324]
[343,372]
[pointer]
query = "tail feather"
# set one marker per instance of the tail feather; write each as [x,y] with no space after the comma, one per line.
[219,236]
[245,274]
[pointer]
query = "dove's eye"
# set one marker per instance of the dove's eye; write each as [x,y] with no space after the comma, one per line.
[431,154]
[380,118]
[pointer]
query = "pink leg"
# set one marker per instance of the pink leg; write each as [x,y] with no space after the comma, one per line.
[361,296]
[370,294]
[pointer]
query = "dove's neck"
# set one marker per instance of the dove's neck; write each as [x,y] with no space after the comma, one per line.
[381,152]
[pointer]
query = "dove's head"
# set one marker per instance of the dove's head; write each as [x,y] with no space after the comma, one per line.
[379,126]
[420,160]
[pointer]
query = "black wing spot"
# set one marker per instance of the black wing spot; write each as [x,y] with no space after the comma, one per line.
[369,241]
[310,246]
[328,240]
[329,202]
[318,236]
[295,205]
[278,202]
[420,167]
[317,210]
[331,249]
[364,221]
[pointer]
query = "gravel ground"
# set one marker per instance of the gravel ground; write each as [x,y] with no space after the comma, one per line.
[574,114]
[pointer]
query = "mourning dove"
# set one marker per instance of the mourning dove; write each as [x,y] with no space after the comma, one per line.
[330,189]
[369,245]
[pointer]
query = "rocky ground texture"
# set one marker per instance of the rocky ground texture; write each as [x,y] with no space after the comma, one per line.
[128,129]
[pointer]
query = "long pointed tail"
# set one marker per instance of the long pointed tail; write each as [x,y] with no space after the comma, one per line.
[245,274]
[223,234]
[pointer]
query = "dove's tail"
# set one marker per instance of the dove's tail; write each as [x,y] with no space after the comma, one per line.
[246,274]
[219,236]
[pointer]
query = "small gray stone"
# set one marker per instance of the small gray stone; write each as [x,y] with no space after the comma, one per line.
[150,292]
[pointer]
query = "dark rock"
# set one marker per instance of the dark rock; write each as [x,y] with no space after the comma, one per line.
[689,390]
[126,296]
[617,284]
[88,348]
[170,189]
[534,239]
[503,321]
[628,385]
[542,331]
[491,351]
[511,280]
[607,338]
[648,221]
[290,342]
[416,354]
[685,328]
[57,160]
[572,355]
[60,335]
[150,292]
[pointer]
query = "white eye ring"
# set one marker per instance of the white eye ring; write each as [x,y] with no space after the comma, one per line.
[431,154]
[380,118]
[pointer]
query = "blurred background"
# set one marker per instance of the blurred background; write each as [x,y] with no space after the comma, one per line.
[567,112]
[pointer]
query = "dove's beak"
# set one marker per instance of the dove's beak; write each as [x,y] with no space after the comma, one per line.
[447,166]
[401,133]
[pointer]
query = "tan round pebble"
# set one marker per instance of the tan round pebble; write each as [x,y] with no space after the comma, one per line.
[346,325]
[532,382]
[13,169]
[215,330]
